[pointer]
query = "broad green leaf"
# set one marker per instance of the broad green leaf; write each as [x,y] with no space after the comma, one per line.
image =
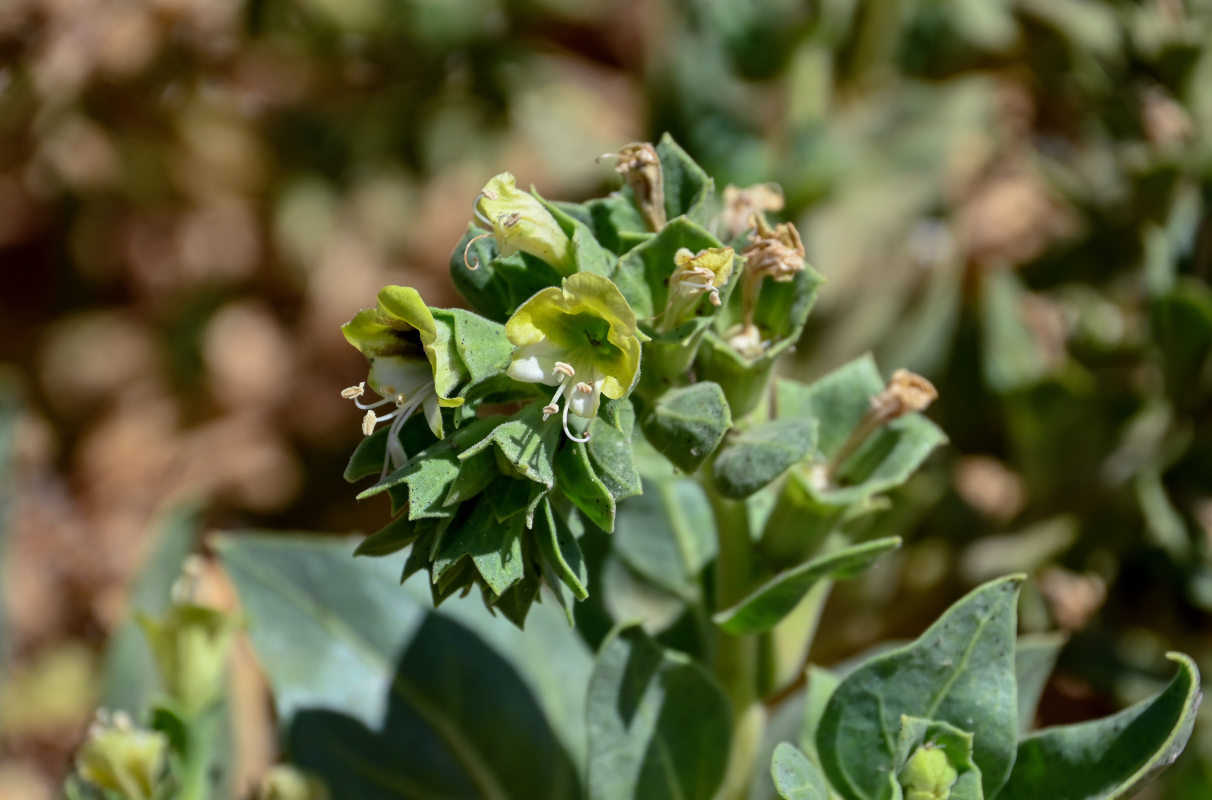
[960,671]
[752,458]
[1034,658]
[510,496]
[766,606]
[579,483]
[527,442]
[643,274]
[820,684]
[391,538]
[659,725]
[384,697]
[686,424]
[1014,357]
[795,777]
[480,343]
[610,454]
[837,401]
[667,535]
[611,218]
[688,189]
[1113,757]
[955,748]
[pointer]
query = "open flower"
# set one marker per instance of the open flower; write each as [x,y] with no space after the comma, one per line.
[520,222]
[694,275]
[411,366]
[581,338]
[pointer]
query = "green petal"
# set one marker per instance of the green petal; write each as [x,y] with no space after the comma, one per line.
[520,222]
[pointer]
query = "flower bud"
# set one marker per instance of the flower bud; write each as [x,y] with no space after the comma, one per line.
[285,782]
[928,775]
[191,644]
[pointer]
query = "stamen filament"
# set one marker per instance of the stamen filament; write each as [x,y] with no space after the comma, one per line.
[568,433]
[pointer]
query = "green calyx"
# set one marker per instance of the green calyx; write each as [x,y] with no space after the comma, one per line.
[520,222]
[119,758]
[928,775]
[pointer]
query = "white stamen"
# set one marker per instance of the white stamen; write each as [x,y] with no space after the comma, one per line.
[567,432]
[564,369]
[368,423]
[554,405]
[354,392]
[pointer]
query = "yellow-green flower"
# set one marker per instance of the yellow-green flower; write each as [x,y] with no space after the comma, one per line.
[580,337]
[412,365]
[520,222]
[121,758]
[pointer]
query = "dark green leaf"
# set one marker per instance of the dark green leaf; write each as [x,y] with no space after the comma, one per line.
[587,252]
[391,538]
[960,671]
[752,458]
[560,551]
[795,777]
[1113,757]
[424,695]
[610,218]
[688,189]
[480,343]
[610,453]
[659,725]
[766,606]
[494,548]
[581,485]
[686,424]
[527,442]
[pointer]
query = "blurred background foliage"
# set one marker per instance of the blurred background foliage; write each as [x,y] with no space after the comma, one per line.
[1008,196]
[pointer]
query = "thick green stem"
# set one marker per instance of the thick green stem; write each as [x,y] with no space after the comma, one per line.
[735,660]
[203,734]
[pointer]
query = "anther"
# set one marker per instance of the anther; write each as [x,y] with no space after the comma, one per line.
[584,388]
[354,392]
[510,220]
[368,423]
[564,369]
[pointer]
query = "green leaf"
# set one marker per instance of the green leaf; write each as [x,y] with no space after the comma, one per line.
[383,697]
[587,252]
[643,273]
[837,401]
[611,218]
[1034,658]
[955,746]
[495,549]
[667,535]
[577,480]
[659,725]
[753,457]
[1113,757]
[1014,356]
[510,496]
[526,442]
[766,606]
[610,453]
[960,671]
[686,424]
[795,777]
[688,189]
[560,551]
[497,286]
[391,538]
[480,343]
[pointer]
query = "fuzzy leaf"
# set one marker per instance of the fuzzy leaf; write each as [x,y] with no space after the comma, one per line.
[960,671]
[752,458]
[766,606]
[581,485]
[610,453]
[659,725]
[560,551]
[795,777]
[1109,758]
[688,189]
[497,286]
[494,549]
[391,538]
[688,423]
[526,442]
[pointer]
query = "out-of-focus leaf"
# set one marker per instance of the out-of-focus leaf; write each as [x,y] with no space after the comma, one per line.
[752,458]
[418,690]
[1109,758]
[659,725]
[1034,658]
[795,777]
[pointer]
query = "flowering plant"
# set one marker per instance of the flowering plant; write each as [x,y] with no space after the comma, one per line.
[604,431]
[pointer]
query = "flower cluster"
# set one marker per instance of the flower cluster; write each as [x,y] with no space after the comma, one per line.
[592,313]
